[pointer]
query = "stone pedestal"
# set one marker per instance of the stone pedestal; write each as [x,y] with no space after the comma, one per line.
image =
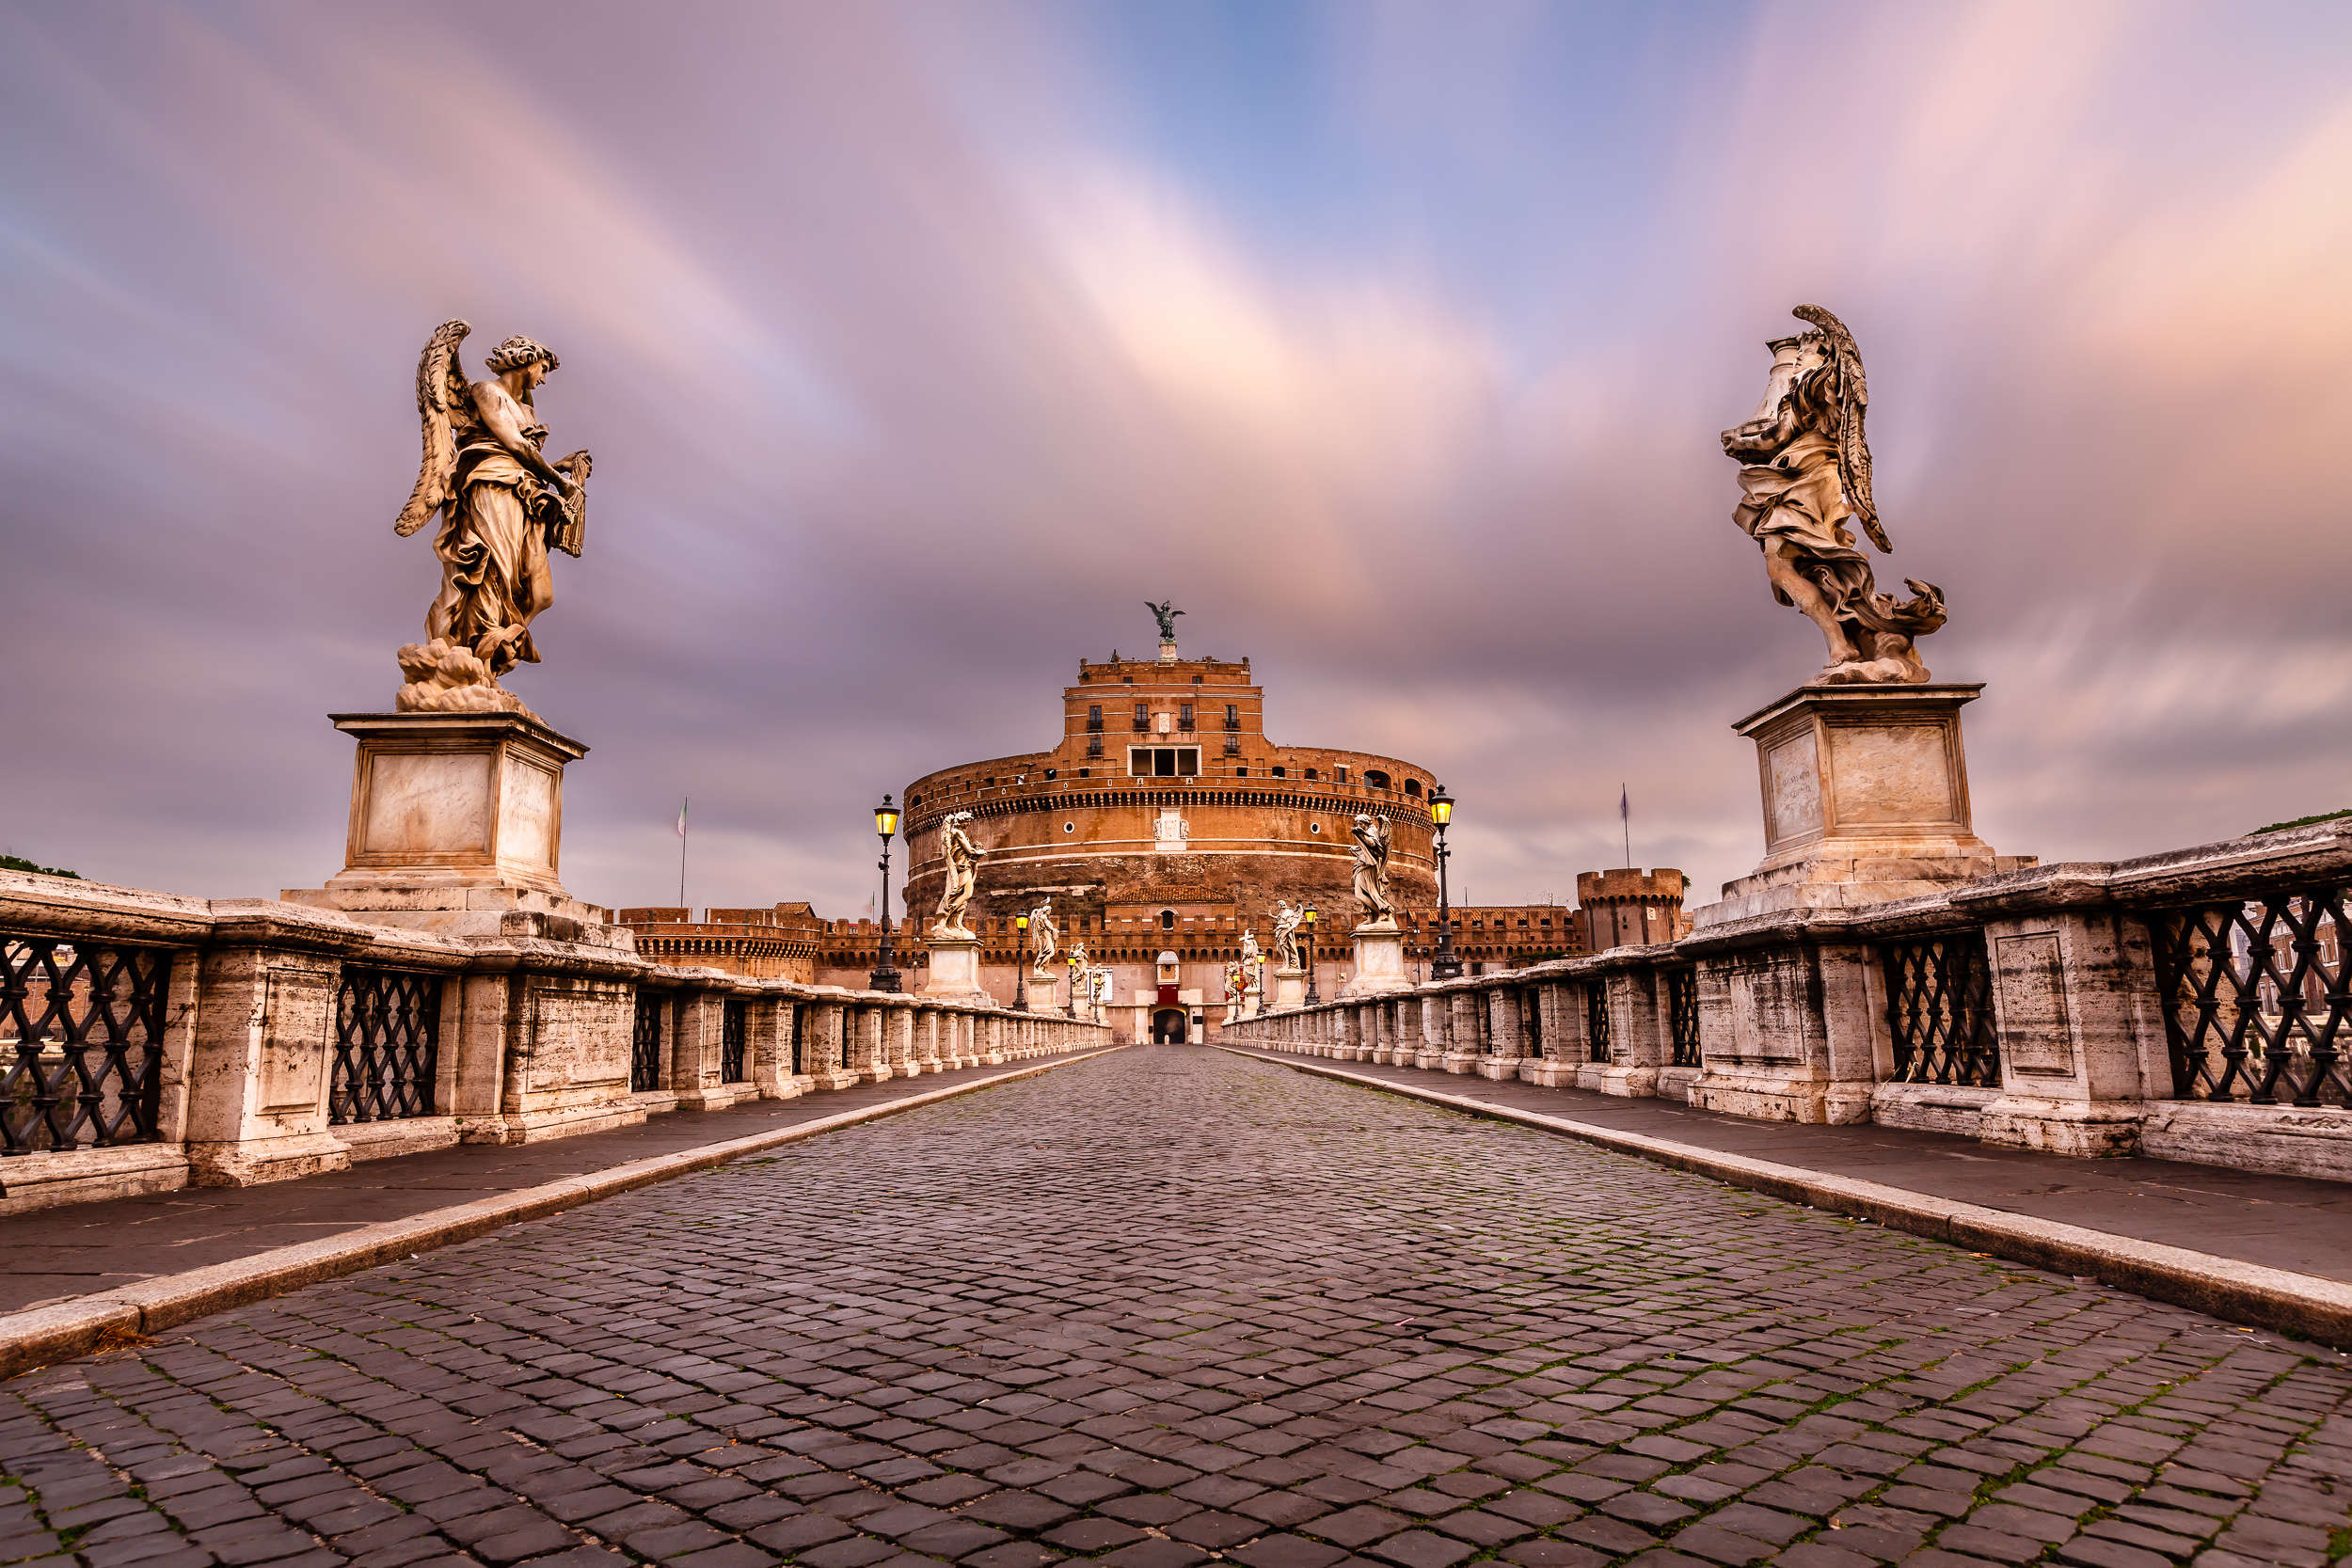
[1379,961]
[457,827]
[955,967]
[1290,988]
[1866,800]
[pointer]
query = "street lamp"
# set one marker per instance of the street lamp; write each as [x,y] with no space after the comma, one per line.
[1312,997]
[1444,964]
[1021,963]
[1075,975]
[885,976]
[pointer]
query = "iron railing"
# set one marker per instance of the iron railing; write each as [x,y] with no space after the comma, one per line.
[388,1045]
[1597,1020]
[81,1044]
[1682,1019]
[644,1046]
[1939,1009]
[2256,998]
[733,1024]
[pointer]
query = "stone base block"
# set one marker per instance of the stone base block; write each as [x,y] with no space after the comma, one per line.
[954,972]
[1776,1097]
[1546,1073]
[1501,1068]
[34,1181]
[1591,1075]
[838,1079]
[1428,1061]
[1460,1063]
[655,1101]
[384,1140]
[1932,1108]
[717,1096]
[2083,1129]
[2280,1139]
[1630,1083]
[1379,962]
[1674,1082]
[1290,988]
[530,1127]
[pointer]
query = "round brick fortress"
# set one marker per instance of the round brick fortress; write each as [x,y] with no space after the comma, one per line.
[1166,821]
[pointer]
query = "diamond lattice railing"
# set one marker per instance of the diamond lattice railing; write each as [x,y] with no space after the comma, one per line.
[2256,999]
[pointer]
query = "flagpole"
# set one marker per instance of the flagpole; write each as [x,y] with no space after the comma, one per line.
[683,803]
[1625,813]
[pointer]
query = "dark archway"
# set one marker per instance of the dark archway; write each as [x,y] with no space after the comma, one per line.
[1170,1026]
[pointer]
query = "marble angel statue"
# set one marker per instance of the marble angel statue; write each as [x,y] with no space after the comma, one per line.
[1804,475]
[962,858]
[1286,919]
[1371,834]
[503,506]
[1249,951]
[1046,934]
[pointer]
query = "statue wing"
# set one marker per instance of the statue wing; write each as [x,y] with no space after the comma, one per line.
[443,400]
[1853,444]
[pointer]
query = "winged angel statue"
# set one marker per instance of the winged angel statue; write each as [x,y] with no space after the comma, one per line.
[502,505]
[1804,473]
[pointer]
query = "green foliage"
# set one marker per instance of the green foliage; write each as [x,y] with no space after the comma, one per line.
[2301,822]
[18,862]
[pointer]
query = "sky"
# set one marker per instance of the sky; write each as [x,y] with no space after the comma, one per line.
[919,345]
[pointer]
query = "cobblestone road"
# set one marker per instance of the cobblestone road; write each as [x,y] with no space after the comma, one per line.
[1171,1306]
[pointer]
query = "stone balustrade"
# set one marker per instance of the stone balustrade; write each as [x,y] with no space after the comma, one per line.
[2194,1006]
[149,1041]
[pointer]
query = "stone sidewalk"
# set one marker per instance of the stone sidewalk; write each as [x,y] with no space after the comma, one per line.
[56,1255]
[2279,1222]
[1169,1307]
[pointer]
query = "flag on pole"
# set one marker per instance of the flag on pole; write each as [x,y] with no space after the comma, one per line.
[1625,817]
[681,820]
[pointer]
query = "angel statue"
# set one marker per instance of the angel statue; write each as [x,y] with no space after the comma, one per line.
[1804,473]
[1249,948]
[1372,870]
[1236,986]
[1041,927]
[1286,919]
[503,504]
[1166,614]
[963,857]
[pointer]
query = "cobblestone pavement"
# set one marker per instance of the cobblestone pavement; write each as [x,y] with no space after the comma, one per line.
[1175,1306]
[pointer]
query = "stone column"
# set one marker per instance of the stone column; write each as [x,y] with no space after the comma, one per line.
[1637,1034]
[1790,1031]
[1462,1033]
[1429,1053]
[868,1056]
[2072,992]
[831,1044]
[695,1050]
[1505,1036]
[769,1047]
[258,1061]
[898,1031]
[1564,1044]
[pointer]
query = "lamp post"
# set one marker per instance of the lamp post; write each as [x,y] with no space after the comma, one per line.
[885,976]
[1075,975]
[1021,963]
[1444,964]
[1312,997]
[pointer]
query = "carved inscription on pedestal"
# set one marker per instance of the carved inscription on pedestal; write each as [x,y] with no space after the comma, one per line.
[566,1028]
[2035,1036]
[1769,1009]
[297,1029]
[1793,789]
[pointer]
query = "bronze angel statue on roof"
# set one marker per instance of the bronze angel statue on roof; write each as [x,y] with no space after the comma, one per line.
[1804,475]
[503,506]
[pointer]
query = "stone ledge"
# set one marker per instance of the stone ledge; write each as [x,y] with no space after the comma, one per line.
[58,1332]
[2317,1309]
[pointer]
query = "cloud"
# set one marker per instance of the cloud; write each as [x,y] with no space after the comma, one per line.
[919,345]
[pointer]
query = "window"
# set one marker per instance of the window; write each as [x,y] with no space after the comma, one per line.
[1196,680]
[1314,827]
[1339,775]
[1377,779]
[1089,772]
[1126,680]
[1167,920]
[1311,773]
[1281,773]
[1241,772]
[1163,762]
[1184,716]
[1233,716]
[1053,772]
[1094,716]
[1143,717]
[1412,786]
[1070,827]
[1094,749]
